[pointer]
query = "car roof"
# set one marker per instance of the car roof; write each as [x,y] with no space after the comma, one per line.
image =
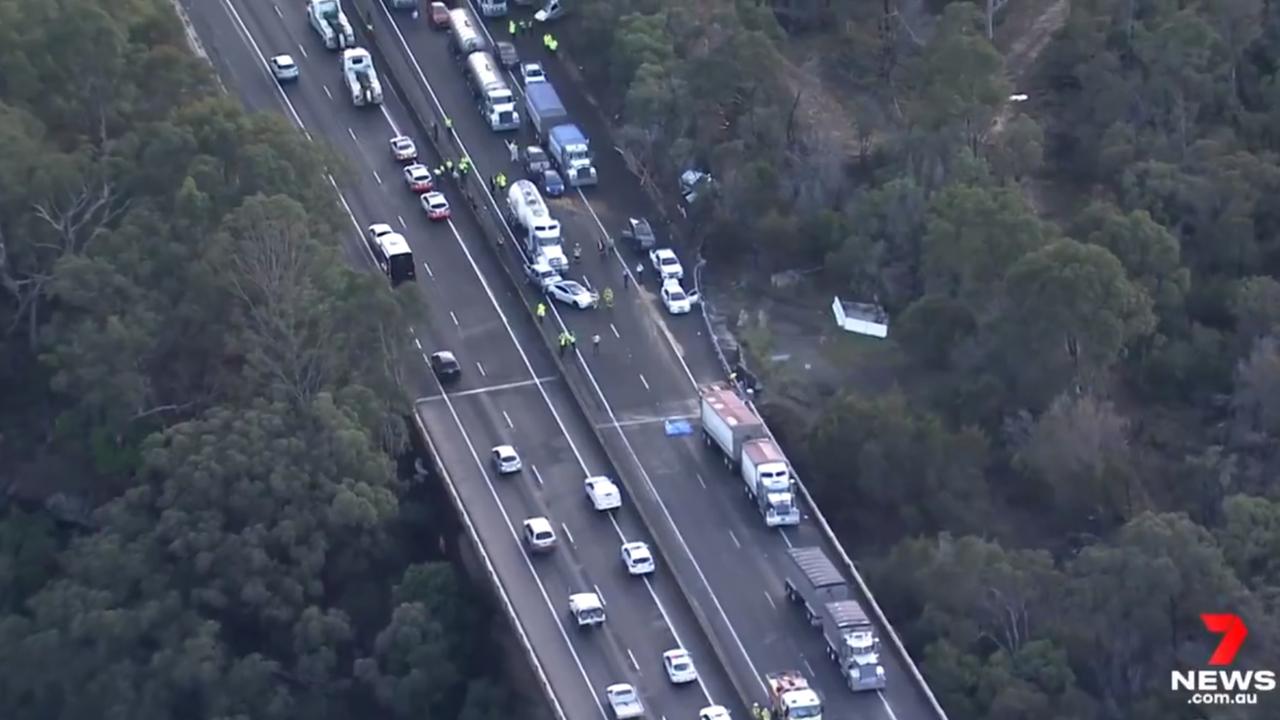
[599,479]
[585,599]
[401,139]
[283,58]
[538,523]
[380,229]
[417,168]
[444,355]
[665,252]
[433,196]
[635,545]
[675,652]
[620,687]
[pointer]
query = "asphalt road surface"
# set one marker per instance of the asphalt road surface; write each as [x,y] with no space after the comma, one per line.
[646,372]
[510,391]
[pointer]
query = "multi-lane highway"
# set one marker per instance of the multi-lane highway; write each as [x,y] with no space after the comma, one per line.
[509,394]
[646,373]
[727,562]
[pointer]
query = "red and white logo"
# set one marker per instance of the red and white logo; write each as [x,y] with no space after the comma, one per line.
[1218,685]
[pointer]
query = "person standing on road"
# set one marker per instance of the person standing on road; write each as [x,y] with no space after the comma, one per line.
[595,344]
[639,273]
[511,28]
[755,711]
[577,252]
[573,341]
[542,312]
[607,296]
[564,343]
[514,149]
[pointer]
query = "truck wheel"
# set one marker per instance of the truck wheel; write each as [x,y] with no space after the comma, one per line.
[789,592]
[831,654]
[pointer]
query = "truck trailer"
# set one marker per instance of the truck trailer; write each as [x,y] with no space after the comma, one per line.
[565,142]
[814,582]
[733,428]
[540,233]
[493,96]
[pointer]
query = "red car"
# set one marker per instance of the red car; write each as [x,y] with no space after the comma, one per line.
[436,205]
[439,15]
[419,178]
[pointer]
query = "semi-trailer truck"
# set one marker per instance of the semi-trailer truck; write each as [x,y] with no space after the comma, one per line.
[812,581]
[565,142]
[540,234]
[733,428]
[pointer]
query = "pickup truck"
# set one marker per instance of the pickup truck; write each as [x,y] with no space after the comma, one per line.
[624,701]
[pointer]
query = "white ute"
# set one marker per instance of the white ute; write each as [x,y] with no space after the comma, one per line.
[331,24]
[666,263]
[586,609]
[362,79]
[676,300]
[624,701]
[602,493]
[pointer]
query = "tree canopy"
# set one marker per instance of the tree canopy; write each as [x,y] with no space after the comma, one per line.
[202,411]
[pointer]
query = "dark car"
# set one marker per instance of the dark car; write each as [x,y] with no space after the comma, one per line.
[507,55]
[536,161]
[639,233]
[445,366]
[552,183]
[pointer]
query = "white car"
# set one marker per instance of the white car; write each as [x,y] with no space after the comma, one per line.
[679,666]
[714,712]
[602,493]
[624,701]
[419,178]
[572,293]
[377,230]
[538,535]
[637,558]
[436,206]
[505,459]
[402,148]
[666,263]
[676,300]
[532,72]
[284,68]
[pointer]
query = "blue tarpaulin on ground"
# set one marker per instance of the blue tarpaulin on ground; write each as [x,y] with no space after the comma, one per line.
[678,427]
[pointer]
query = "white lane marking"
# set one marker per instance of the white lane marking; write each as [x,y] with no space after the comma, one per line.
[377,177]
[426,359]
[244,30]
[427,267]
[808,667]
[701,482]
[615,331]
[482,372]
[416,342]
[888,708]
[646,382]
[600,595]
[536,475]
[734,538]
[568,534]
[387,114]
[352,133]
[278,13]
[510,425]
[303,50]
[785,539]
[769,597]
[402,224]
[455,318]
[635,665]
[492,388]
[326,91]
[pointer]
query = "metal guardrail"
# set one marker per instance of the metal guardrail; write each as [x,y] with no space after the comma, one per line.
[492,572]
[817,513]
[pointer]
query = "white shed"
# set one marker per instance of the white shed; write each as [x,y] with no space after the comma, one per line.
[861,318]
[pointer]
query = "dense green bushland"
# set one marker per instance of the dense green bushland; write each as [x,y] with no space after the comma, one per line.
[205,400]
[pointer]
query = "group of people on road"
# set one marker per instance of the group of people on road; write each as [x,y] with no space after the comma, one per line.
[550,42]
[567,341]
[760,713]
[456,170]
[515,27]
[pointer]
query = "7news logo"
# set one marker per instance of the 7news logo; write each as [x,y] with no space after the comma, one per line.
[1221,686]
